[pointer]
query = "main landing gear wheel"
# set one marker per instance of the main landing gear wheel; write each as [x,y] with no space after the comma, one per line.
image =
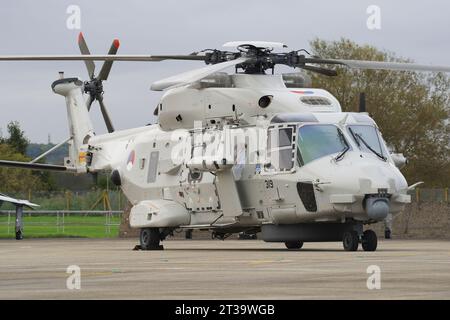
[369,240]
[350,240]
[150,239]
[293,244]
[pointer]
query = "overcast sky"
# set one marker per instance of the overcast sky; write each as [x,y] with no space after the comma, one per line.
[419,30]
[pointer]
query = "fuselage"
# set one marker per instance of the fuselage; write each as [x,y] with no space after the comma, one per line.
[318,189]
[250,154]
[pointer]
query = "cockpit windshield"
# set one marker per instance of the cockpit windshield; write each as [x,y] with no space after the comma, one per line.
[316,141]
[367,139]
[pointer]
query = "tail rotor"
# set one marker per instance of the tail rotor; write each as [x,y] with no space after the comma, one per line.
[94,87]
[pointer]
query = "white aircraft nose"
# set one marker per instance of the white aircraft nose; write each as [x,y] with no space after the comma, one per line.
[364,177]
[364,186]
[373,178]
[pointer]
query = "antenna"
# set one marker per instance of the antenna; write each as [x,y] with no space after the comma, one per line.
[362,102]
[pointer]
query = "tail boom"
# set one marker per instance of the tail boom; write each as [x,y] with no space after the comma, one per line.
[80,125]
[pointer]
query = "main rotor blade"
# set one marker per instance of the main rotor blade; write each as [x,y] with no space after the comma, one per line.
[99,57]
[324,71]
[106,68]
[381,65]
[85,51]
[105,114]
[194,75]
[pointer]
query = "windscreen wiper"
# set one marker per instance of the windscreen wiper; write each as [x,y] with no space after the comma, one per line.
[354,137]
[369,147]
[341,155]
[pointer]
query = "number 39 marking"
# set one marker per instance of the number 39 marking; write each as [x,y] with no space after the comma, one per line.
[269,184]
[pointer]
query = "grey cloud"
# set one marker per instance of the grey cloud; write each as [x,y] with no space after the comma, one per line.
[410,29]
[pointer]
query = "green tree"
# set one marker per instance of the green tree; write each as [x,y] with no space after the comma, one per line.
[14,148]
[18,180]
[412,109]
[16,139]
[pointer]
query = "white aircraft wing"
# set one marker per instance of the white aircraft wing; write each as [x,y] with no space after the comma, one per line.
[5,198]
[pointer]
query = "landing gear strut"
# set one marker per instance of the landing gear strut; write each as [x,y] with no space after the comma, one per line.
[19,222]
[150,239]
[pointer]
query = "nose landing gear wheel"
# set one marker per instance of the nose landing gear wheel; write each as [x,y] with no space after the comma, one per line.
[350,240]
[150,239]
[293,244]
[369,240]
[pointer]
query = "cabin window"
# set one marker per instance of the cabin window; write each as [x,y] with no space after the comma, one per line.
[153,166]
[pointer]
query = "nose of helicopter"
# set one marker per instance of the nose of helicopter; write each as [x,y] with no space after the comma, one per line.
[367,184]
[366,176]
[372,178]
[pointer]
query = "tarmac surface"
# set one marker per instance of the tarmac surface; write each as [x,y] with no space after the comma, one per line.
[233,269]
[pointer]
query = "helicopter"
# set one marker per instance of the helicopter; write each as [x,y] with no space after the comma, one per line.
[251,151]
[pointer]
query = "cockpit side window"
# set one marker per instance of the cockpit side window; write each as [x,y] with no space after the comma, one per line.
[280,146]
[317,141]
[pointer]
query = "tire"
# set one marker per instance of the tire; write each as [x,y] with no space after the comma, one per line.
[350,240]
[293,244]
[369,240]
[387,234]
[150,238]
[19,235]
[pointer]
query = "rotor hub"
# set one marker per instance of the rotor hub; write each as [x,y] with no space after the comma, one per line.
[94,88]
[260,59]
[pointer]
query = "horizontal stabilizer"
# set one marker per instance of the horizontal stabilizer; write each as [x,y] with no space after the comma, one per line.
[32,166]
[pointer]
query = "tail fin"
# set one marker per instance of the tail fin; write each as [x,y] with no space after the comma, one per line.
[80,125]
